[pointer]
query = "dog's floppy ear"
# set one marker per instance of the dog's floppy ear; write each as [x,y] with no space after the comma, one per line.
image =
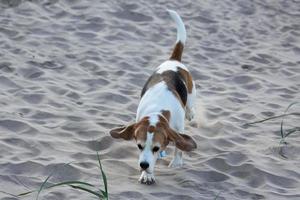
[182,141]
[125,132]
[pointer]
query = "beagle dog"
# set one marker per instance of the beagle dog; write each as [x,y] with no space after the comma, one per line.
[168,97]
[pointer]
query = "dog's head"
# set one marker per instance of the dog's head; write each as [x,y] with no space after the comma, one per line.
[152,135]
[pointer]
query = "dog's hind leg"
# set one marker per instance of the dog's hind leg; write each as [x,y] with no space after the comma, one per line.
[190,104]
[177,160]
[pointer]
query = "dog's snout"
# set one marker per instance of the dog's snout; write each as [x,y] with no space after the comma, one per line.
[144,165]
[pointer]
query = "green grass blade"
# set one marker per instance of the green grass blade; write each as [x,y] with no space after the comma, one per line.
[43,184]
[74,184]
[58,184]
[9,194]
[281,124]
[25,193]
[104,194]
[87,190]
[70,183]
[270,118]
[293,130]
[281,152]
[103,177]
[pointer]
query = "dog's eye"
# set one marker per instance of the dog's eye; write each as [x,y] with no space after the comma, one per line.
[155,149]
[140,146]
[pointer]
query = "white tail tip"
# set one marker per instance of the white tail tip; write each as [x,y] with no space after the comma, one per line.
[181,32]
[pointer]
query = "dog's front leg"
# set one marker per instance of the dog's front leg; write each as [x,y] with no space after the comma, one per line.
[147,178]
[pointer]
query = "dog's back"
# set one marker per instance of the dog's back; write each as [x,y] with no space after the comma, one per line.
[169,86]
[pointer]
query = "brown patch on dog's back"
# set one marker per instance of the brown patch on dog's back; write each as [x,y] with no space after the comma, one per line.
[187,79]
[152,80]
[175,82]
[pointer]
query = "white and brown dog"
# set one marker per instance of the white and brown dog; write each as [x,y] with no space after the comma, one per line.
[167,98]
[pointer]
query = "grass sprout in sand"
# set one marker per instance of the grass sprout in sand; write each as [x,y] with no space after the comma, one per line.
[79,185]
[283,133]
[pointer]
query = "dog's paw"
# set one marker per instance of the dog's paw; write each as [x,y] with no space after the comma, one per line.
[189,113]
[176,162]
[147,178]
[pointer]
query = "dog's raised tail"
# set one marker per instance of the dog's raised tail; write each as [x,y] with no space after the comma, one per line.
[181,36]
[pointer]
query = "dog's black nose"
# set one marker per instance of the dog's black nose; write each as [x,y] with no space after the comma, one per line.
[144,165]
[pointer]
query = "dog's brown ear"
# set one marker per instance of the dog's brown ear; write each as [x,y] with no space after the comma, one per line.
[182,141]
[125,132]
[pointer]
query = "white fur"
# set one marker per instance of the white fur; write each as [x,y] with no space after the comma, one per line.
[154,119]
[170,65]
[147,178]
[148,156]
[181,32]
[158,98]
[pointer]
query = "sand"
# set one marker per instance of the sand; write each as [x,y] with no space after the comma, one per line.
[72,70]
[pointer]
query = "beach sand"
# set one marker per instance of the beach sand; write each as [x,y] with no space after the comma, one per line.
[71,70]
